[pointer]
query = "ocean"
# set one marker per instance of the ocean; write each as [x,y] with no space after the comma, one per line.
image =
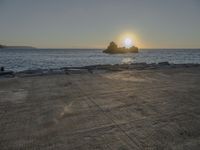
[25,59]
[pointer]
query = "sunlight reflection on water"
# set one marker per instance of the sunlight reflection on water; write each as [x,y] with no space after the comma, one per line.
[127,60]
[23,59]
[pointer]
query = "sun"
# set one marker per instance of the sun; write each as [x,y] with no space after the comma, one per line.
[128,39]
[128,42]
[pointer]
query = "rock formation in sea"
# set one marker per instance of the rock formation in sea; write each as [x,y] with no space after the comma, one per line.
[114,49]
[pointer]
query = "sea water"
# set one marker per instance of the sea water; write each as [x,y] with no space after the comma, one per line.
[24,59]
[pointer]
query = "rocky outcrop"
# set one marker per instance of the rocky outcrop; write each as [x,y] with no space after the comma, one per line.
[114,49]
[4,73]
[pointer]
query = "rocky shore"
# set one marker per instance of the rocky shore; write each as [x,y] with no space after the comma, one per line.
[95,68]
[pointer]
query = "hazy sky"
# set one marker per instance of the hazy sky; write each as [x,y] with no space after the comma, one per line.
[94,23]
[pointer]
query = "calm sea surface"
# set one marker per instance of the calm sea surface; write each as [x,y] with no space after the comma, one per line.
[23,59]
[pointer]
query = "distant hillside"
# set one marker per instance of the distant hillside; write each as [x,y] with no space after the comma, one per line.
[16,47]
[2,46]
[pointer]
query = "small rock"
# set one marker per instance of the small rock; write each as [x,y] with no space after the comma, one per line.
[164,63]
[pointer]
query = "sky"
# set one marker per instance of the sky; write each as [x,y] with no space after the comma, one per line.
[94,23]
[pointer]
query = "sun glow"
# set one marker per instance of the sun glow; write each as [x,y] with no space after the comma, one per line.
[128,42]
[128,39]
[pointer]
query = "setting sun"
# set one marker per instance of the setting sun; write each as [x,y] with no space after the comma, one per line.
[128,39]
[128,42]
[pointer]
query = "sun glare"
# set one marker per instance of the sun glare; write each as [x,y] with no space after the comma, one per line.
[128,39]
[128,42]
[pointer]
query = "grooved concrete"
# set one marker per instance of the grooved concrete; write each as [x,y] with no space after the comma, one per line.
[146,109]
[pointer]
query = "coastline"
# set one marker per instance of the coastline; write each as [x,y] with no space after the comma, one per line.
[95,68]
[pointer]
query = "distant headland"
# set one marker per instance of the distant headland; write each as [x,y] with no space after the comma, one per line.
[16,47]
[114,49]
